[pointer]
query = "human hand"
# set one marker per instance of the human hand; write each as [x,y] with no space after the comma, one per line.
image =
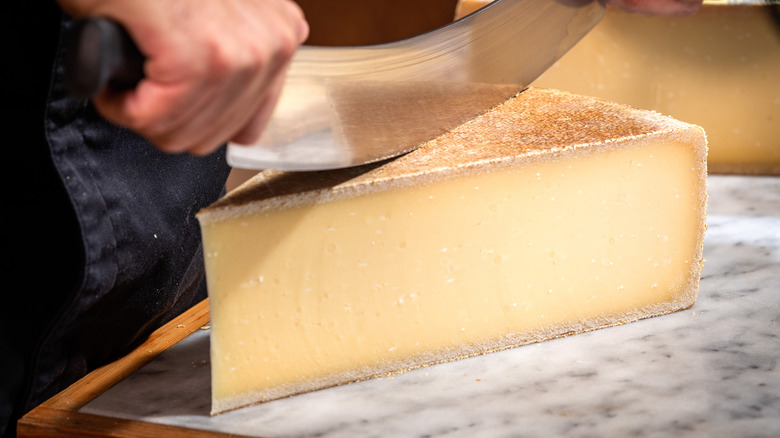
[213,72]
[658,7]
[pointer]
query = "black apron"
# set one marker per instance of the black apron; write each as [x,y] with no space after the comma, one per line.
[100,241]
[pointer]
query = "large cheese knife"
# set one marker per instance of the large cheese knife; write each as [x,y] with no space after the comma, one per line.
[346,106]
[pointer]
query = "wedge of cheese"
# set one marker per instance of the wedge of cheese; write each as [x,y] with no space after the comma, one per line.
[718,69]
[550,215]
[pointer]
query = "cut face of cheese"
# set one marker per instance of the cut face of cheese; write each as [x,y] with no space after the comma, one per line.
[551,215]
[718,69]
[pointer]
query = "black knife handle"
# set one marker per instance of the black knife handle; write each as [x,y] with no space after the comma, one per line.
[99,54]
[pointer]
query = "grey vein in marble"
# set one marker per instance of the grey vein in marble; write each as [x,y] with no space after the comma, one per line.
[709,371]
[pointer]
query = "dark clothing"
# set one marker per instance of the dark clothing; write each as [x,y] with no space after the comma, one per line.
[100,243]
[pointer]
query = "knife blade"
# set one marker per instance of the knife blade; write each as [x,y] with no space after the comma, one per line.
[347,106]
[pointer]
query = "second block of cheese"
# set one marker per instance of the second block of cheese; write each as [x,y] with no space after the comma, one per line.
[551,215]
[718,69]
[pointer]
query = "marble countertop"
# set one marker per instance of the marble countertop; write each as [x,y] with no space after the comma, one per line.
[711,370]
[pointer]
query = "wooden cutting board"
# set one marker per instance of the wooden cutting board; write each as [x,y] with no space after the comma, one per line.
[60,417]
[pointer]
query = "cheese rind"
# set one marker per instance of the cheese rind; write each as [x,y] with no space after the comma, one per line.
[551,215]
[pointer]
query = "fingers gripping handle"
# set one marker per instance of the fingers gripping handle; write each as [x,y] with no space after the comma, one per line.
[100,54]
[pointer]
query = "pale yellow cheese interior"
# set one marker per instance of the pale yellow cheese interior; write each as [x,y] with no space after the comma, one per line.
[718,69]
[311,296]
